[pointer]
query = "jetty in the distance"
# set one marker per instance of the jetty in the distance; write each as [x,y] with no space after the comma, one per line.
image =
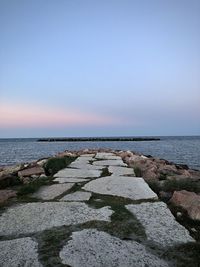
[97,139]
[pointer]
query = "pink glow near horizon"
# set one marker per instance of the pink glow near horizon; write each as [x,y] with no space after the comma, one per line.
[20,115]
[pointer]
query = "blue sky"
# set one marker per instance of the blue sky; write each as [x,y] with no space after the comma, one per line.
[93,68]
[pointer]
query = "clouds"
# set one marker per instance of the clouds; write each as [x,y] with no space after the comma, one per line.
[14,115]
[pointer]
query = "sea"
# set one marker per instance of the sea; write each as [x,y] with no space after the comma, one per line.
[177,149]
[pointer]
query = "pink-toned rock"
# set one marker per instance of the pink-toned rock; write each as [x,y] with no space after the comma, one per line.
[9,170]
[37,170]
[189,201]
[6,194]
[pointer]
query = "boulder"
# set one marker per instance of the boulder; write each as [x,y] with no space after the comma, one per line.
[6,194]
[37,170]
[189,201]
[9,170]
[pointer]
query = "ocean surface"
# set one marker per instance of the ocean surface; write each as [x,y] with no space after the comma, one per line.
[179,149]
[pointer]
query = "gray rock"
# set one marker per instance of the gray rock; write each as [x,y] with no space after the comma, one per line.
[77,173]
[52,191]
[77,196]
[159,223]
[99,249]
[19,252]
[36,217]
[122,186]
[120,171]
[70,180]
[84,166]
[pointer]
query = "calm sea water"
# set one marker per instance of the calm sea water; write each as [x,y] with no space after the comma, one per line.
[183,149]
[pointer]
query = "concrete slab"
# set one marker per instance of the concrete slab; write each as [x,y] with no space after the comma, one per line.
[87,155]
[77,173]
[83,166]
[70,180]
[160,225]
[122,186]
[120,171]
[77,196]
[113,162]
[19,252]
[94,248]
[52,191]
[36,217]
[107,156]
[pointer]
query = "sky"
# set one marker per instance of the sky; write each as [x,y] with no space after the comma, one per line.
[99,68]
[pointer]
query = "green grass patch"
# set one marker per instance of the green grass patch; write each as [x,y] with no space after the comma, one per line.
[33,186]
[183,184]
[53,165]
[138,171]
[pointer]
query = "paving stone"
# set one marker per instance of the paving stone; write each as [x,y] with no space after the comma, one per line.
[94,248]
[122,186]
[159,223]
[36,217]
[87,166]
[107,156]
[77,196]
[120,171]
[19,252]
[70,180]
[52,191]
[77,173]
[113,162]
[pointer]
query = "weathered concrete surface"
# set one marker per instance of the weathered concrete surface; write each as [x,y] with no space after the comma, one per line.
[123,186]
[120,171]
[70,180]
[106,156]
[111,162]
[76,173]
[99,249]
[159,223]
[36,217]
[77,196]
[87,155]
[19,252]
[52,191]
[85,166]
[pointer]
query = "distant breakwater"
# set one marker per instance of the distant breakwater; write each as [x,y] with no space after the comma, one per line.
[97,139]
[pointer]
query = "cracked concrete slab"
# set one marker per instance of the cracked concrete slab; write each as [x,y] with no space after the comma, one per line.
[52,191]
[19,252]
[120,171]
[122,186]
[77,173]
[159,223]
[70,180]
[77,196]
[107,156]
[111,162]
[85,166]
[94,248]
[36,217]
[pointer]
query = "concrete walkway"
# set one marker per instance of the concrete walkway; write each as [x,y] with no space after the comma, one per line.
[97,214]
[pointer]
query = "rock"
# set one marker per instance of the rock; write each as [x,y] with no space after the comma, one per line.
[94,248]
[165,195]
[19,252]
[6,194]
[42,162]
[77,196]
[159,223]
[10,170]
[52,191]
[36,217]
[37,170]
[122,186]
[189,201]
[77,173]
